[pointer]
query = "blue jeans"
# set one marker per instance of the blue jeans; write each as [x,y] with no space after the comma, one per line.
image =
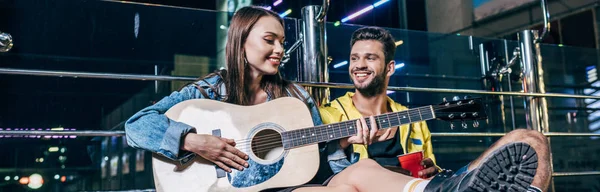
[462,170]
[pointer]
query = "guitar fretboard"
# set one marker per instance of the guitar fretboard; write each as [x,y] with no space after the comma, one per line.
[323,133]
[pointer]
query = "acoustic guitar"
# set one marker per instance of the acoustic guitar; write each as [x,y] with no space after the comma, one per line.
[280,139]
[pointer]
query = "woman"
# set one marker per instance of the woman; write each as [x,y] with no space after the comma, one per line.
[253,54]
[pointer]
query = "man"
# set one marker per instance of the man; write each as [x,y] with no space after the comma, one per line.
[519,161]
[371,66]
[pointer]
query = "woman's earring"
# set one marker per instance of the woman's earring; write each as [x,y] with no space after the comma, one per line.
[245,59]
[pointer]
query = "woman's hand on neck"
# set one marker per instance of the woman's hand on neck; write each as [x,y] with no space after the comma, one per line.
[369,106]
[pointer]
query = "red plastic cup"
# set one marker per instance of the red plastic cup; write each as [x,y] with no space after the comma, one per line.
[412,162]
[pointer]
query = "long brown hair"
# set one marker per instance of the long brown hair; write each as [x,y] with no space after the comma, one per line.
[238,72]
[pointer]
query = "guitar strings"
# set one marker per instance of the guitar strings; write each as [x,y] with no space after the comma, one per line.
[277,136]
[258,141]
[379,118]
[275,140]
[264,147]
[267,140]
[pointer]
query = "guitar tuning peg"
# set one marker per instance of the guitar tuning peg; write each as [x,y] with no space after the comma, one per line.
[476,124]
[444,100]
[463,115]
[464,125]
[451,115]
[452,125]
[455,98]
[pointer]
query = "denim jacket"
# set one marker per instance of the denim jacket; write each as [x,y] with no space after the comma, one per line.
[151,130]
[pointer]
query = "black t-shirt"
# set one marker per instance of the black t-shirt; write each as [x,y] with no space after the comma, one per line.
[386,152]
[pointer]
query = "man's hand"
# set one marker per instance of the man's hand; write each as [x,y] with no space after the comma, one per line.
[430,169]
[364,135]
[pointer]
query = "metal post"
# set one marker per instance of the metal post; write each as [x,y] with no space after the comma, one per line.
[535,107]
[542,104]
[314,65]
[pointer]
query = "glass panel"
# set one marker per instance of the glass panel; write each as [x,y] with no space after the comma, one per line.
[431,60]
[97,37]
[572,70]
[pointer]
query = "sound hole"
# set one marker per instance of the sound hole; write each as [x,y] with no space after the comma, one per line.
[267,145]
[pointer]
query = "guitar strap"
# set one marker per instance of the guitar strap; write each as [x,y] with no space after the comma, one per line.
[348,149]
[347,117]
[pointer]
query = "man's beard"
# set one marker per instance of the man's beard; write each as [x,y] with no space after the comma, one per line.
[374,87]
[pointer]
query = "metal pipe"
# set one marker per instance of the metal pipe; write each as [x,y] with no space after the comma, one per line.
[536,108]
[508,71]
[62,133]
[551,134]
[10,71]
[467,134]
[546,18]
[558,134]
[541,87]
[6,42]
[323,11]
[449,77]
[424,75]
[314,65]
[122,133]
[287,54]
[462,91]
[483,59]
[530,80]
[582,173]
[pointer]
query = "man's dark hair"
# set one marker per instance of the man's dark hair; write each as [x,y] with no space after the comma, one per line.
[377,34]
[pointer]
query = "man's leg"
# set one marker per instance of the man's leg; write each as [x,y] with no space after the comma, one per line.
[365,175]
[537,141]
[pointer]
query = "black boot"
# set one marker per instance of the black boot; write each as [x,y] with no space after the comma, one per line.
[509,168]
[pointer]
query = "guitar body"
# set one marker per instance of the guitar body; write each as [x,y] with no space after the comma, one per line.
[256,130]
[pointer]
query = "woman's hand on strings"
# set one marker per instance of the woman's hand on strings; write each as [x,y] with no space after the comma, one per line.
[220,151]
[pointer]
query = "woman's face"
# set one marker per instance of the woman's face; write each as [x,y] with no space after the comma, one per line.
[264,46]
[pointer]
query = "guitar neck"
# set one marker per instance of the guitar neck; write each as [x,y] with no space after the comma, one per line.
[323,133]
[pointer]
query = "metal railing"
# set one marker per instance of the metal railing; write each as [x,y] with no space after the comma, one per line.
[17,134]
[92,133]
[12,71]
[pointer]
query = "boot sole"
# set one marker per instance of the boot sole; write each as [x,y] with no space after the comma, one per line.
[509,168]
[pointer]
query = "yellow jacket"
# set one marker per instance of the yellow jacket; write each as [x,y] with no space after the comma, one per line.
[414,137]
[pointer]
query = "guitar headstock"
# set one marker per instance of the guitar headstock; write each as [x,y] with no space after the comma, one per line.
[466,109]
